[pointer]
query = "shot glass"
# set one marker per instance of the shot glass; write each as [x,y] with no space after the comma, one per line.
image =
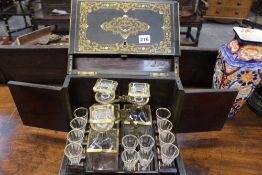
[162,113]
[145,158]
[129,142]
[75,136]
[146,142]
[130,158]
[164,125]
[168,153]
[166,137]
[81,112]
[73,152]
[78,123]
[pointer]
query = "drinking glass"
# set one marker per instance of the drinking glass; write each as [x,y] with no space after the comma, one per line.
[78,123]
[81,112]
[162,113]
[145,158]
[168,153]
[166,137]
[129,142]
[73,152]
[130,158]
[164,125]
[146,142]
[75,136]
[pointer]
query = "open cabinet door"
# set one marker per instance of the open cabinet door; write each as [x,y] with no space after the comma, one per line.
[41,105]
[2,78]
[205,109]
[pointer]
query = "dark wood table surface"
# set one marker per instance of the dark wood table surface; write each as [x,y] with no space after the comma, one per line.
[236,150]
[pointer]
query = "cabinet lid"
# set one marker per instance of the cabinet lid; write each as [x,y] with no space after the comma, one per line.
[146,27]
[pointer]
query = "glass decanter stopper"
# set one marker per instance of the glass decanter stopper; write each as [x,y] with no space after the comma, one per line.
[105,91]
[102,117]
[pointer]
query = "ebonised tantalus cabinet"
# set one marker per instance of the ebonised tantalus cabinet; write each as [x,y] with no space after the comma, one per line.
[98,51]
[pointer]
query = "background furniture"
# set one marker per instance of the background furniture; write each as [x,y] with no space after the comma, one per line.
[191,15]
[35,64]
[43,14]
[9,8]
[232,10]
[257,7]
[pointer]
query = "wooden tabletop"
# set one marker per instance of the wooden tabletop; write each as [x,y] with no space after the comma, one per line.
[237,149]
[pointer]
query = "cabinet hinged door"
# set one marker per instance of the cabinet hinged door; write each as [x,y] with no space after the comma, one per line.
[204,109]
[41,105]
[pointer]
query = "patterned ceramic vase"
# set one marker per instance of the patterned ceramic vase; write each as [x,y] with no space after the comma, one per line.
[239,65]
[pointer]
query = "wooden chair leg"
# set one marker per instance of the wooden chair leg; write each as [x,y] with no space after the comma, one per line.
[56,28]
[7,27]
[198,34]
[34,26]
[188,33]
[23,11]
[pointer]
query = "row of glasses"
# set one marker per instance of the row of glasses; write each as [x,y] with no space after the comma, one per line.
[146,155]
[130,156]
[75,137]
[169,150]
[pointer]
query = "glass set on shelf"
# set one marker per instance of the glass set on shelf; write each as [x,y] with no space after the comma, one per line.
[75,137]
[169,150]
[144,156]
[101,148]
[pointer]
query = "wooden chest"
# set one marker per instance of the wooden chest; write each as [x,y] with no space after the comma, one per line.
[104,44]
[228,9]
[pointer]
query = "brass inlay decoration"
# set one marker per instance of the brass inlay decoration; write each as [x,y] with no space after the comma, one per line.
[125,26]
[87,7]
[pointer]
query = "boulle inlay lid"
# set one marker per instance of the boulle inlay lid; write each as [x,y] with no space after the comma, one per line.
[123,27]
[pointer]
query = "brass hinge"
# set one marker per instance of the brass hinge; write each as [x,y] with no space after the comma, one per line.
[158,74]
[86,73]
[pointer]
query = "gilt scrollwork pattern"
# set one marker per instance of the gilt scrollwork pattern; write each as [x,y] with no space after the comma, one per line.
[125,26]
[85,45]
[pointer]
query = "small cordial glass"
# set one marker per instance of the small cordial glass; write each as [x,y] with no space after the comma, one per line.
[162,113]
[129,142]
[168,153]
[73,152]
[145,158]
[75,136]
[166,137]
[164,125]
[81,112]
[130,158]
[78,123]
[146,142]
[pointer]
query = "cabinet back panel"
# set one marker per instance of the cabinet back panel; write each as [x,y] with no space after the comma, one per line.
[163,91]
[107,63]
